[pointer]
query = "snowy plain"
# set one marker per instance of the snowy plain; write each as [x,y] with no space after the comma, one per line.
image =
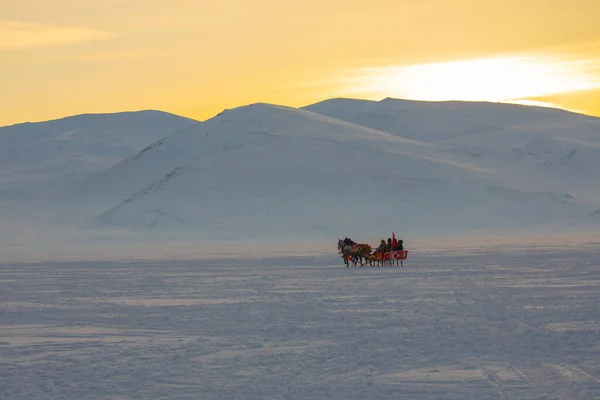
[458,322]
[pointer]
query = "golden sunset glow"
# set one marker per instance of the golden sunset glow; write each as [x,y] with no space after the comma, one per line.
[21,35]
[196,58]
[506,79]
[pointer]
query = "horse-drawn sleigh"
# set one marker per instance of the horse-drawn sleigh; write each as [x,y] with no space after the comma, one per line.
[362,253]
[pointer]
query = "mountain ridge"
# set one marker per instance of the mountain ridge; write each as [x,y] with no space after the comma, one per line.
[355,166]
[99,115]
[148,207]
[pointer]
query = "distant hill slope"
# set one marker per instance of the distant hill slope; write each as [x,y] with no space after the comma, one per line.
[265,171]
[342,167]
[45,154]
[435,121]
[539,147]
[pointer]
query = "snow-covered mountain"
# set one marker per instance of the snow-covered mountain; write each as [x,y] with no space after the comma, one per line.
[441,121]
[533,147]
[46,154]
[341,167]
[267,171]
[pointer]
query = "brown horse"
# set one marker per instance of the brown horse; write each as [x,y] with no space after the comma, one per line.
[357,252]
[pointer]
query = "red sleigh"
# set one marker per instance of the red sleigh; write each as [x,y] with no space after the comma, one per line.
[391,258]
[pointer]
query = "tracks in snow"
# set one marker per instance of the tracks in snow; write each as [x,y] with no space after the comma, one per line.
[527,374]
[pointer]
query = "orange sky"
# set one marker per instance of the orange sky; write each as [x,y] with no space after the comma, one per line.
[196,57]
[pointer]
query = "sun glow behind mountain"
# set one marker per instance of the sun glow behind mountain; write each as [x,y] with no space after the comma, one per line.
[517,79]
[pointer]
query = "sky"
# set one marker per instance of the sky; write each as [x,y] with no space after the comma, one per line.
[196,57]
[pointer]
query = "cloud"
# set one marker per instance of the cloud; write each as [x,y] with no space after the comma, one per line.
[23,35]
[119,55]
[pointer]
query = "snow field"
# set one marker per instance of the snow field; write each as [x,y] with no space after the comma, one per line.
[490,324]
